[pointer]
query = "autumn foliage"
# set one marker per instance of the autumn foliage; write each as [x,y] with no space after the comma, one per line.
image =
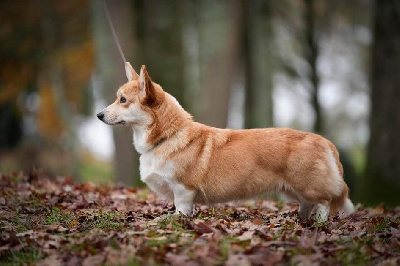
[58,221]
[47,50]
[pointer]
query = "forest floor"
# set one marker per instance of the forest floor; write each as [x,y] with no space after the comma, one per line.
[60,222]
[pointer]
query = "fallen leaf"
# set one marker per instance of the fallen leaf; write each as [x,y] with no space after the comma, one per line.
[51,260]
[246,236]
[265,258]
[73,224]
[237,260]
[312,260]
[308,241]
[202,228]
[93,260]
[26,233]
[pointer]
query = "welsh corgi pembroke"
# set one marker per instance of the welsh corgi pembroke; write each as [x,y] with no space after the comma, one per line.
[188,162]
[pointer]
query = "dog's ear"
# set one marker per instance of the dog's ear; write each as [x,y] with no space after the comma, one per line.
[130,72]
[146,87]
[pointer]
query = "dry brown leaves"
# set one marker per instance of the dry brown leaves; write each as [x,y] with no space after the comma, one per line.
[60,222]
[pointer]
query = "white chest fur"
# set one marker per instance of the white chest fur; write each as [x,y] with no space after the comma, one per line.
[158,175]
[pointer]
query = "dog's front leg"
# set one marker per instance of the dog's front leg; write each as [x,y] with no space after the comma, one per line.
[183,199]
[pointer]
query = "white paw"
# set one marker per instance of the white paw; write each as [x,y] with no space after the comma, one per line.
[186,212]
[322,213]
[183,199]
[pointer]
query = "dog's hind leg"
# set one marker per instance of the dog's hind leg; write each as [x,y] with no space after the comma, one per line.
[305,210]
[322,211]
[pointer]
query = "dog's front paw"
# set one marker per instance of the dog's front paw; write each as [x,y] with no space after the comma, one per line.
[187,213]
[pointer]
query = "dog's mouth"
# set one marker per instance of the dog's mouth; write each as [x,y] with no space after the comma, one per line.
[122,122]
[112,123]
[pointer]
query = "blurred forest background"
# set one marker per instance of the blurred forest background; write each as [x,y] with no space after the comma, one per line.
[331,67]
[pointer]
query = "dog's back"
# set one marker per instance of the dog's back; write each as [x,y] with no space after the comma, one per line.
[224,165]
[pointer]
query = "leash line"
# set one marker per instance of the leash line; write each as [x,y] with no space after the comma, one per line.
[113,30]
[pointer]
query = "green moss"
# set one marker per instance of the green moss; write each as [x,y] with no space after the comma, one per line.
[280,204]
[22,222]
[102,220]
[382,224]
[106,221]
[225,244]
[133,262]
[352,256]
[319,223]
[300,251]
[23,257]
[56,216]
[175,221]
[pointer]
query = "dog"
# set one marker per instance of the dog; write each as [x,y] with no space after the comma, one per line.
[188,162]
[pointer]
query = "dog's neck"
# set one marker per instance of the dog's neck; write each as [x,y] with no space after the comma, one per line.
[168,119]
[140,139]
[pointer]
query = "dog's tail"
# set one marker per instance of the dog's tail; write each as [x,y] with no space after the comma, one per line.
[342,203]
[347,208]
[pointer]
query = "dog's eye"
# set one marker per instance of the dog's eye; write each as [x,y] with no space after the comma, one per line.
[122,100]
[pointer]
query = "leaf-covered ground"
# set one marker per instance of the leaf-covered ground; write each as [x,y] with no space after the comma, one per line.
[59,222]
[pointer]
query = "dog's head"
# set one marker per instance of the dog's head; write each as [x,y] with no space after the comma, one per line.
[134,100]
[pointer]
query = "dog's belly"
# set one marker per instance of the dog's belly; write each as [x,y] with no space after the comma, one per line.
[157,176]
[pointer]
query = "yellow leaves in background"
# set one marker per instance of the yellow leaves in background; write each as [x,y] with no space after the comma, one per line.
[15,78]
[76,67]
[46,62]
[48,51]
[77,64]
[50,123]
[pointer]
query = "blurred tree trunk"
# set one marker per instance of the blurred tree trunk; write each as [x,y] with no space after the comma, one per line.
[111,71]
[160,44]
[384,145]
[10,126]
[311,56]
[257,36]
[219,56]
[191,55]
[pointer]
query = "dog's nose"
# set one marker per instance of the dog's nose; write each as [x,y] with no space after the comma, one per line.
[100,116]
